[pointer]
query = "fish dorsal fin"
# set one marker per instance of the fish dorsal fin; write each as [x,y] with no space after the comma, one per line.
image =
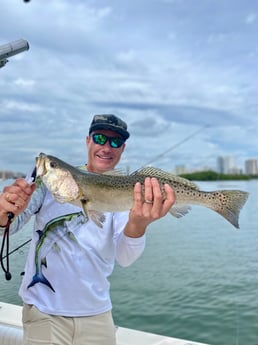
[159,173]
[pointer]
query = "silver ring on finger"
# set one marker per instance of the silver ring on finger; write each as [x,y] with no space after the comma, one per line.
[150,202]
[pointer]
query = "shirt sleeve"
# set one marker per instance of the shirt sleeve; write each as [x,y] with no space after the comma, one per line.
[128,249]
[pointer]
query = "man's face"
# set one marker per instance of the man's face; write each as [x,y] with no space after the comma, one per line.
[102,158]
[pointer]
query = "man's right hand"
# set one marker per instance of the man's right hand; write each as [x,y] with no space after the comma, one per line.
[15,199]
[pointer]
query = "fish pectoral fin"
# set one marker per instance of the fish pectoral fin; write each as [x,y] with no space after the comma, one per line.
[97,217]
[179,211]
[84,207]
[60,198]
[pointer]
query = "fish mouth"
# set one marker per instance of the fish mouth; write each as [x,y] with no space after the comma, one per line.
[41,164]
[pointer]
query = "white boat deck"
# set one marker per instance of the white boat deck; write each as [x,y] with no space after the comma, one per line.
[11,331]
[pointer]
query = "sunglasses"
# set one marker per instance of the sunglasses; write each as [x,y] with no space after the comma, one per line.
[101,139]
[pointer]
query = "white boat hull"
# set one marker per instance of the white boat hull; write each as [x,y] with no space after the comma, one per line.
[11,331]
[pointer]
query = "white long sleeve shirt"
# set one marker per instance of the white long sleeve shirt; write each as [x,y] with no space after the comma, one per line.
[73,255]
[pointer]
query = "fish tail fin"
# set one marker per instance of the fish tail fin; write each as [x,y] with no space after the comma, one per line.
[40,278]
[231,202]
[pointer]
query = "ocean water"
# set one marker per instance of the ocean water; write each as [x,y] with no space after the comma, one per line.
[197,278]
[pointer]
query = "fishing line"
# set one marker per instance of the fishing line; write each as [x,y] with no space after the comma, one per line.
[5,245]
[17,248]
[6,235]
[176,145]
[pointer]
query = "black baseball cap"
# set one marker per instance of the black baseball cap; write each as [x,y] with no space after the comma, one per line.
[111,122]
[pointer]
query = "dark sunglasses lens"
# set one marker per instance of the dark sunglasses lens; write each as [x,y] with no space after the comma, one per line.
[100,139]
[116,142]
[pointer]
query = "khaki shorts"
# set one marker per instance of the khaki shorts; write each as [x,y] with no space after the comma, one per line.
[44,329]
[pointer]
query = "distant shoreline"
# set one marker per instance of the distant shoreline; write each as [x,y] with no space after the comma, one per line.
[214,176]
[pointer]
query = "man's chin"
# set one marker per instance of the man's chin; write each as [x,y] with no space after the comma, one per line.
[104,165]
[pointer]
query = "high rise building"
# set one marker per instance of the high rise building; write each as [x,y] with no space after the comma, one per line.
[226,164]
[251,167]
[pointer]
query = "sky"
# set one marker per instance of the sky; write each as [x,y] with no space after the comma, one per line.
[181,73]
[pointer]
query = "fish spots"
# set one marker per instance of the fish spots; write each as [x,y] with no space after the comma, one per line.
[114,193]
[223,200]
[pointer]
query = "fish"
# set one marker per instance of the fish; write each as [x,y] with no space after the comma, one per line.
[49,236]
[113,192]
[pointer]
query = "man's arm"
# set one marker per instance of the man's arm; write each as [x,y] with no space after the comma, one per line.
[131,242]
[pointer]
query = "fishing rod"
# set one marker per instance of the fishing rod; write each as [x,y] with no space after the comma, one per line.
[11,49]
[176,145]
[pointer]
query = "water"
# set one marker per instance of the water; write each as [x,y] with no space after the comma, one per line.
[197,279]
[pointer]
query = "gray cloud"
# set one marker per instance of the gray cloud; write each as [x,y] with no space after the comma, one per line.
[168,71]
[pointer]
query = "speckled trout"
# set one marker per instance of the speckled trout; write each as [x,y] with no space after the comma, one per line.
[112,192]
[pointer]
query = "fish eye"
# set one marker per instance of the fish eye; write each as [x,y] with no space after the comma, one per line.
[53,164]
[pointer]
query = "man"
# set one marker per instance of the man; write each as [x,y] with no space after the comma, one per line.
[65,288]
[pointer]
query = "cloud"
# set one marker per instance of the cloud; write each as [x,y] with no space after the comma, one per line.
[251,18]
[168,72]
